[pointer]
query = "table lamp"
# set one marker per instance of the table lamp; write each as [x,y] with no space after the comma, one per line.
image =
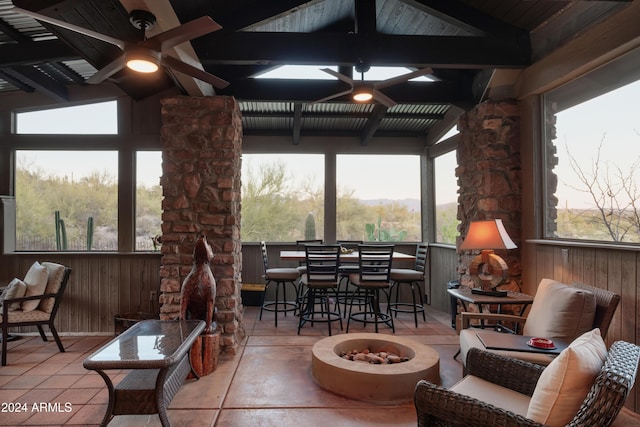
[488,270]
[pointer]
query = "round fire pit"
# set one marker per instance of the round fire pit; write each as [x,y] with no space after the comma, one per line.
[389,383]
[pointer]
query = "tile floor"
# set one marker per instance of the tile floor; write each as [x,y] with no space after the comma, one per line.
[267,383]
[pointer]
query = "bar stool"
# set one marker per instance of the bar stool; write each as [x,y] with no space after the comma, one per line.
[279,276]
[411,278]
[302,265]
[346,269]
[321,280]
[372,279]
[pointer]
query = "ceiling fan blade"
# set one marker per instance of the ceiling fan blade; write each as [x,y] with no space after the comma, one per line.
[185,32]
[338,75]
[72,27]
[404,77]
[183,67]
[383,99]
[107,71]
[335,95]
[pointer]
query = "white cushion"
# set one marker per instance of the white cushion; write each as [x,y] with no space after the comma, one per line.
[493,394]
[564,384]
[560,311]
[15,289]
[36,281]
[56,274]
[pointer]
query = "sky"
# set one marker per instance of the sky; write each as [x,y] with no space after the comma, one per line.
[612,118]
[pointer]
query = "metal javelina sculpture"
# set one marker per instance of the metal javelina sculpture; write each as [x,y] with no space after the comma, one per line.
[198,293]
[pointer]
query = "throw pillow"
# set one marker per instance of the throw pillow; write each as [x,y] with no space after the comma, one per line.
[560,311]
[56,274]
[15,289]
[36,281]
[564,384]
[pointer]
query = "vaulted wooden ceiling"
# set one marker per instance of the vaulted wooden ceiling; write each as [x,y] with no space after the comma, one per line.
[463,41]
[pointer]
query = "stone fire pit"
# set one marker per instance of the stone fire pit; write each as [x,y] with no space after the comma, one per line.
[390,383]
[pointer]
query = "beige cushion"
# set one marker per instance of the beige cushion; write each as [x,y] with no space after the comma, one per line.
[36,281]
[283,273]
[493,394]
[560,311]
[19,316]
[564,384]
[56,274]
[15,289]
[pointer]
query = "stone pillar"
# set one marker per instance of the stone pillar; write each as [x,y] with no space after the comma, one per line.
[489,179]
[201,159]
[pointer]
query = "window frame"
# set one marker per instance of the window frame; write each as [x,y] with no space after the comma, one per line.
[614,75]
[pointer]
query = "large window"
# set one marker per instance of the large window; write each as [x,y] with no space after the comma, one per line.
[100,118]
[446,198]
[282,197]
[378,197]
[593,164]
[66,200]
[148,200]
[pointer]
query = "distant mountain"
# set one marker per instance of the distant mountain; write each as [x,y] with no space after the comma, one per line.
[411,204]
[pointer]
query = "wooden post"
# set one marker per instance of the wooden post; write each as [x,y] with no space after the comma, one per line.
[204,354]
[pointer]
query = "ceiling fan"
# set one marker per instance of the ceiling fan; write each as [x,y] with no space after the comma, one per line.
[365,91]
[147,54]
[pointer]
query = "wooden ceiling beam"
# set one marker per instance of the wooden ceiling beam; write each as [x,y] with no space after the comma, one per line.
[346,49]
[39,81]
[12,55]
[291,90]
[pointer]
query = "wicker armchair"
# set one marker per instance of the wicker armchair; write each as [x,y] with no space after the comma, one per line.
[437,406]
[606,304]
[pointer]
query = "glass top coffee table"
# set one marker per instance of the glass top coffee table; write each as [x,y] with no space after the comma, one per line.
[157,354]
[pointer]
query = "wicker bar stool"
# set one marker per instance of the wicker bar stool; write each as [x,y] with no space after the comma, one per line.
[281,277]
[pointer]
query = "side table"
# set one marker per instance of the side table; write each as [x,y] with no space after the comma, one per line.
[465,297]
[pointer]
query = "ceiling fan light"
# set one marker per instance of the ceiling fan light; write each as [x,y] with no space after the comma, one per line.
[362,96]
[142,62]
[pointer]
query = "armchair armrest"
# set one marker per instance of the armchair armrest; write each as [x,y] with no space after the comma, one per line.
[437,406]
[514,374]
[466,317]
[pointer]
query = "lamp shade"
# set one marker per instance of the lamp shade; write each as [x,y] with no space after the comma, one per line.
[489,234]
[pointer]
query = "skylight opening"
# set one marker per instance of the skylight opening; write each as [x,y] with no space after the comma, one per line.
[314,72]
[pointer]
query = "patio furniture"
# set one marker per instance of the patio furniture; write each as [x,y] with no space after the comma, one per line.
[502,391]
[38,307]
[321,280]
[558,311]
[156,353]
[411,278]
[281,277]
[370,281]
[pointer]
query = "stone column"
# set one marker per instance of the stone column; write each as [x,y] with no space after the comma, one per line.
[201,159]
[489,179]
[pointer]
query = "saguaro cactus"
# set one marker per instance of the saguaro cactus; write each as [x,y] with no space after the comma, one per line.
[89,233]
[310,227]
[61,232]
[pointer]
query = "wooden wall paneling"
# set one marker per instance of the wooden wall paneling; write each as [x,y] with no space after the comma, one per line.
[443,262]
[612,276]
[628,290]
